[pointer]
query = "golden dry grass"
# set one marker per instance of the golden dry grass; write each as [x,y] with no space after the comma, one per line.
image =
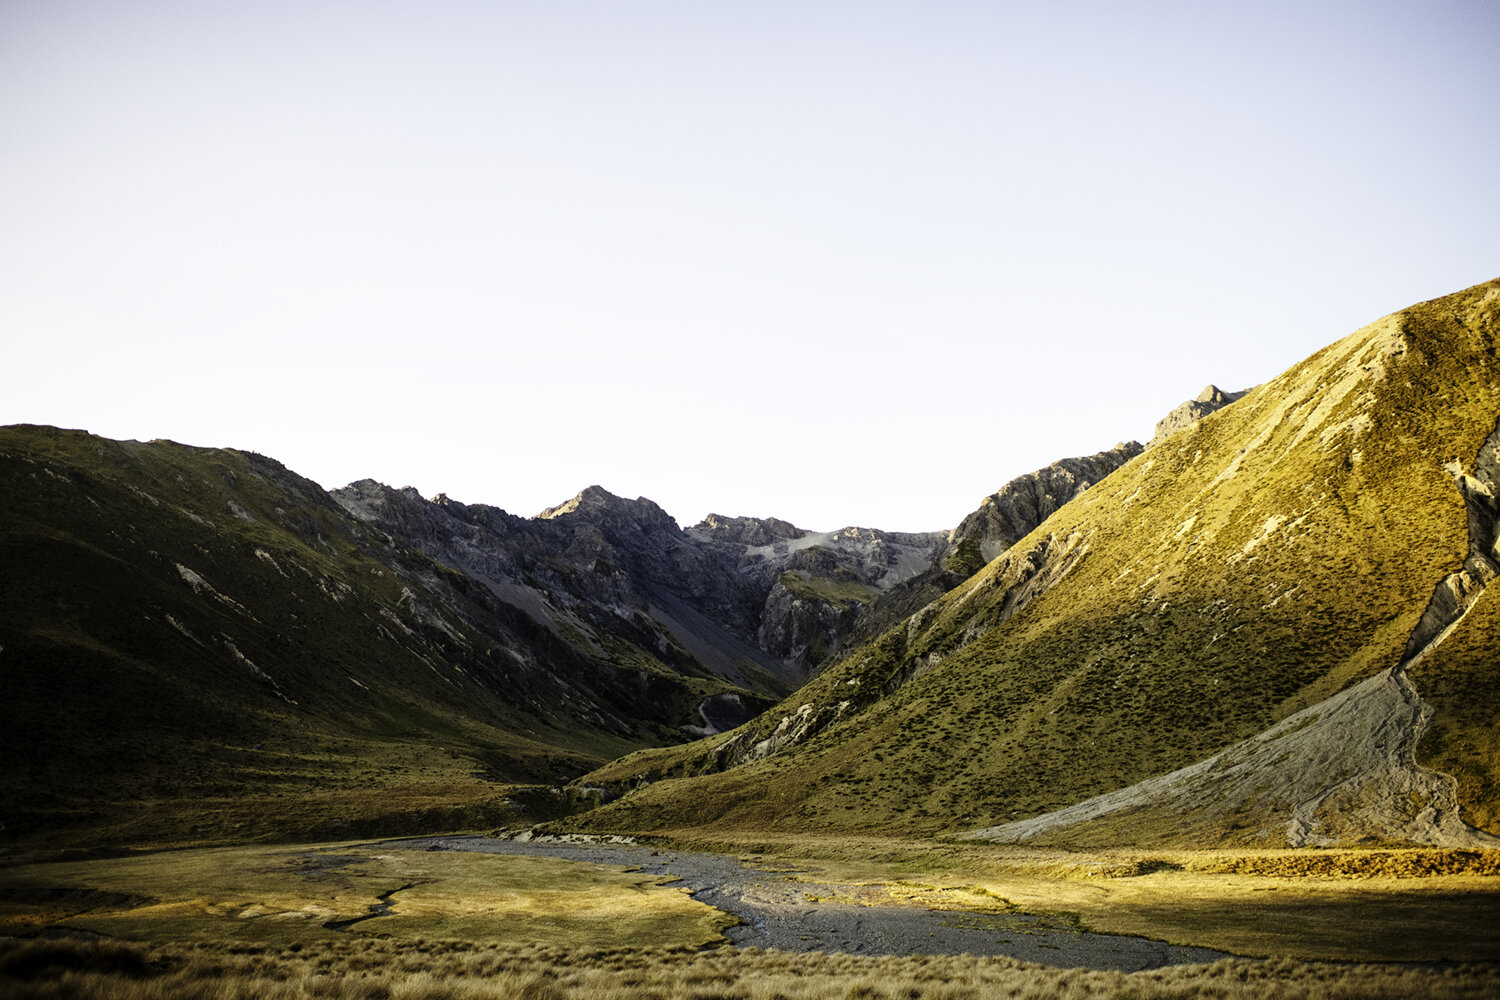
[247,922]
[1414,905]
[1391,905]
[288,895]
[407,970]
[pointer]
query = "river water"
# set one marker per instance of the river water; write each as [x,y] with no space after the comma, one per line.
[778,910]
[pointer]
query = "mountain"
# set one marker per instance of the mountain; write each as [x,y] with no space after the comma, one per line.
[813,586]
[756,600]
[202,640]
[611,577]
[1270,627]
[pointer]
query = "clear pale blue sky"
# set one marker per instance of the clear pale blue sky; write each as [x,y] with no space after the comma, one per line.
[833,262]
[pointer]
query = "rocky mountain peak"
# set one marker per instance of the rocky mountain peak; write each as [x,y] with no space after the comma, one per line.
[373,501]
[1211,399]
[590,498]
[1017,508]
[744,530]
[596,502]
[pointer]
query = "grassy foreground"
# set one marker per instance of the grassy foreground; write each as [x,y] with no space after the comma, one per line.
[389,970]
[296,896]
[312,921]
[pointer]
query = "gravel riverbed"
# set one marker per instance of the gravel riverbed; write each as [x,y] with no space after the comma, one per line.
[779,909]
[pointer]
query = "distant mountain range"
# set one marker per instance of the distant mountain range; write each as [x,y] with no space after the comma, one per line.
[1269,626]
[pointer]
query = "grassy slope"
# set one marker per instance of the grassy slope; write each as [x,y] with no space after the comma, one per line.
[303,691]
[1254,564]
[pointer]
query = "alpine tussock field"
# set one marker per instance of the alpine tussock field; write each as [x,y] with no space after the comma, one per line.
[375,970]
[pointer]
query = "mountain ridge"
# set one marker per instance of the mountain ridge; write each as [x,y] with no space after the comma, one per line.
[1250,565]
[245,628]
[223,645]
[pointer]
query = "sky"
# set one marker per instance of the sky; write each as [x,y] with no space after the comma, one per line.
[835,262]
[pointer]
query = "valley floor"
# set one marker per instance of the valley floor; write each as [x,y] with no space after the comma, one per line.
[797,909]
[1400,904]
[480,917]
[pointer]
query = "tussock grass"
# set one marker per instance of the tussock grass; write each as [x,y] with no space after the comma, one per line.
[388,970]
[290,896]
[1389,905]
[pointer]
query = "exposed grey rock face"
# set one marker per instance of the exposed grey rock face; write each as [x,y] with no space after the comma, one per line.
[1456,593]
[1016,509]
[1212,398]
[598,571]
[643,540]
[757,601]
[747,531]
[1342,771]
[601,568]
[763,548]
[1003,518]
[814,583]
[805,630]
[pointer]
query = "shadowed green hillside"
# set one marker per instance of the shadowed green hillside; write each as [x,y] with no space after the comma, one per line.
[198,644]
[1242,569]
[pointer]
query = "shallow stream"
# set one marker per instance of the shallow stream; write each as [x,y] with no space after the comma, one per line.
[779,910]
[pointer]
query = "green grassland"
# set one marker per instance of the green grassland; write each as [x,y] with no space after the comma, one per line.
[1245,568]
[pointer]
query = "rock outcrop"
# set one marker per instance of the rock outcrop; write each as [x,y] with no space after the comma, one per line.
[597,571]
[1003,518]
[807,629]
[1456,593]
[814,584]
[1342,771]
[757,601]
[1210,400]
[1016,509]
